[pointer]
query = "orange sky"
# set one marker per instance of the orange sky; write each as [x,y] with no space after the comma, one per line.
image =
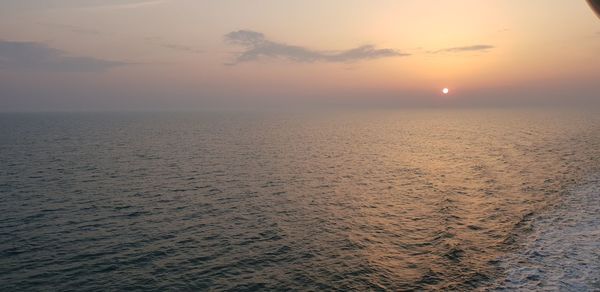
[93,54]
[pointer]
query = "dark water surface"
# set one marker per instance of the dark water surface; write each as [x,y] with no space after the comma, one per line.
[396,200]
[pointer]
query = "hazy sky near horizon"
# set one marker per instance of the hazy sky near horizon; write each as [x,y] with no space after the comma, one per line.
[109,54]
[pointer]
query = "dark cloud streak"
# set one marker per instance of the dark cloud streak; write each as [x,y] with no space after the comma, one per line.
[258,46]
[158,41]
[39,57]
[181,48]
[465,49]
[72,28]
[154,41]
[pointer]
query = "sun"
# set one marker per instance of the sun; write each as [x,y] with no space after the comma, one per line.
[445,90]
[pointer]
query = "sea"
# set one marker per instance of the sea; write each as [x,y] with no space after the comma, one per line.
[324,200]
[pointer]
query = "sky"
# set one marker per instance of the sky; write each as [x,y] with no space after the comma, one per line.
[195,54]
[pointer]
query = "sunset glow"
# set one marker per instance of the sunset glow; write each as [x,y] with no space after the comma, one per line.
[299,145]
[239,53]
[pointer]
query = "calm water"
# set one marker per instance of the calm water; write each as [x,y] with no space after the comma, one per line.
[397,200]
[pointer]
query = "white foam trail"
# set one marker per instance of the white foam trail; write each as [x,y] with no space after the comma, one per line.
[563,253]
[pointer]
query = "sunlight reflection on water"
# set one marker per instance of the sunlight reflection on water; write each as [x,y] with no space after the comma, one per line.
[348,200]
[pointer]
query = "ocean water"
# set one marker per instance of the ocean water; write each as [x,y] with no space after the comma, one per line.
[344,200]
[563,253]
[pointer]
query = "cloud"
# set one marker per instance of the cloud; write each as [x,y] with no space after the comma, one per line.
[154,41]
[92,5]
[181,48]
[15,6]
[71,28]
[473,48]
[38,56]
[258,46]
[130,5]
[158,41]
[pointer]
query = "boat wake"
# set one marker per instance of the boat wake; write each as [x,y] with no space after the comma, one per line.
[563,251]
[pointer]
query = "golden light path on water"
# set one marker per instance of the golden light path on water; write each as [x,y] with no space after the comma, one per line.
[396,200]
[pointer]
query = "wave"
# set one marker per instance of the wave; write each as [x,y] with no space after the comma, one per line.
[563,251]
